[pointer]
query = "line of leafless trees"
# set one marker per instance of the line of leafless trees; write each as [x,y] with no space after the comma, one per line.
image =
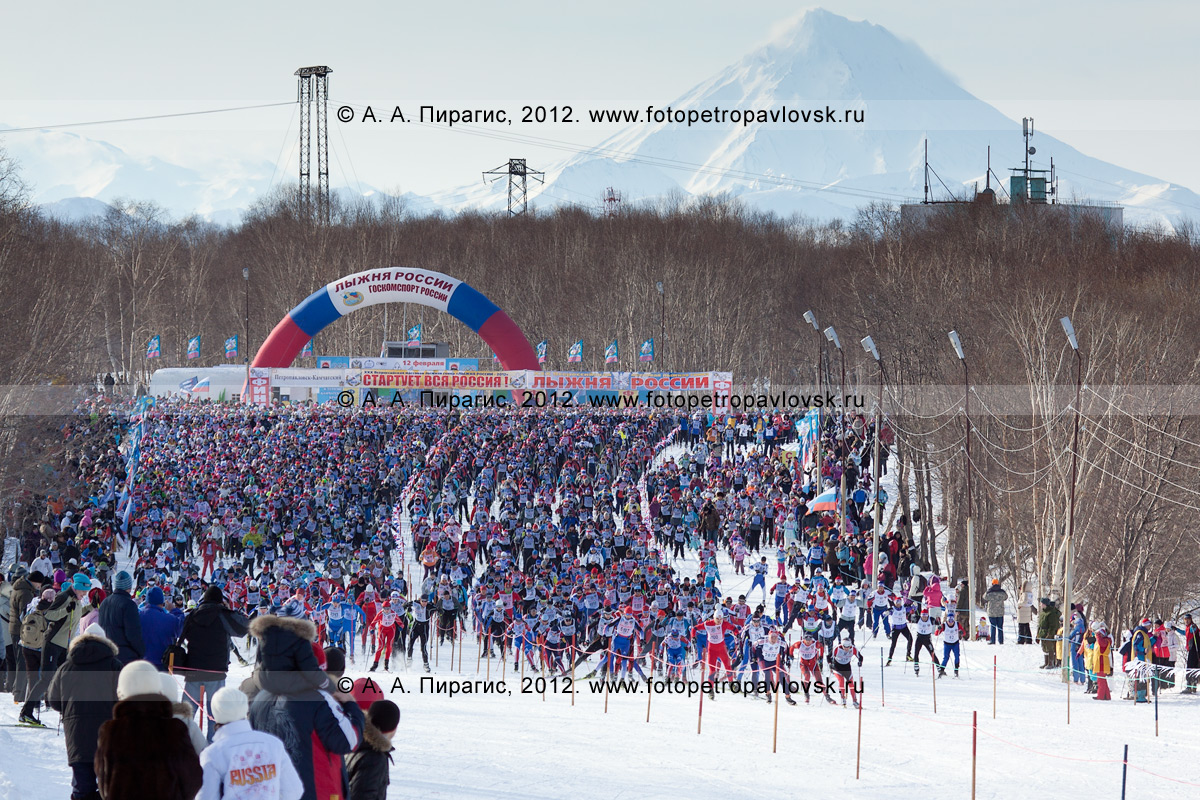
[82,300]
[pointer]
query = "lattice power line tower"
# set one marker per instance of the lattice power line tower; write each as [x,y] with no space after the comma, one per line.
[314,89]
[612,202]
[517,171]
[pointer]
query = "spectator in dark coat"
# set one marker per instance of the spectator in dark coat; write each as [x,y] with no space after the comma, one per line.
[207,632]
[159,628]
[24,587]
[120,620]
[369,765]
[143,751]
[994,599]
[83,691]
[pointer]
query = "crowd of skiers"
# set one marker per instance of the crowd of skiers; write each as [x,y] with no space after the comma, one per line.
[559,539]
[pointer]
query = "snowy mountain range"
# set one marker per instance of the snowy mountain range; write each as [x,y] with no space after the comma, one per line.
[823,170]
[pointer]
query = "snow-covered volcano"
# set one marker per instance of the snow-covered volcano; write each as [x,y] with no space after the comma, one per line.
[828,169]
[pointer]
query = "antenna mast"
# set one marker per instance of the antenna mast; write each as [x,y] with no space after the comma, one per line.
[926,169]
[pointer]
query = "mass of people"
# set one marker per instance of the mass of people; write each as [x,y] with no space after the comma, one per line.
[308,540]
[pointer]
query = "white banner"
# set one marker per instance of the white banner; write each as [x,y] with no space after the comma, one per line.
[308,377]
[392,285]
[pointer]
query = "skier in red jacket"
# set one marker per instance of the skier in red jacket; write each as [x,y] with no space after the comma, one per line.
[714,631]
[210,550]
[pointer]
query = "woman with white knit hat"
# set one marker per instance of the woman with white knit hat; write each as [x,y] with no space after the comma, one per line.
[143,750]
[242,762]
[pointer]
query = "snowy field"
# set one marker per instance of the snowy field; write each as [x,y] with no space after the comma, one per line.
[526,746]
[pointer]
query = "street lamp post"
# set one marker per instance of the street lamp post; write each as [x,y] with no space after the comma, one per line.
[662,320]
[1069,329]
[832,336]
[869,345]
[246,329]
[971,588]
[811,319]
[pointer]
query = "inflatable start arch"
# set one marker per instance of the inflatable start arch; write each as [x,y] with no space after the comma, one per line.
[397,285]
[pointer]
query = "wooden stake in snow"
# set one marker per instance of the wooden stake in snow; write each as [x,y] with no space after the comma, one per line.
[775,736]
[1124,770]
[933,678]
[858,756]
[882,700]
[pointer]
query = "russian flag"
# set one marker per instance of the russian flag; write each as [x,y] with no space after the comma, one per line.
[826,501]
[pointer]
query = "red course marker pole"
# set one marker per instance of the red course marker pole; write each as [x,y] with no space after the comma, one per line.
[974,748]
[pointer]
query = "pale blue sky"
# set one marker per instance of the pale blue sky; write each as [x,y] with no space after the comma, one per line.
[1115,79]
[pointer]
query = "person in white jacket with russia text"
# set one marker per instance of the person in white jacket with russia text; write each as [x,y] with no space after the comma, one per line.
[242,762]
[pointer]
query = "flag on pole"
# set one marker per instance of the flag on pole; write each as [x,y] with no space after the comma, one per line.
[541,350]
[646,353]
[575,353]
[826,501]
[193,350]
[194,384]
[414,335]
[610,353]
[231,347]
[129,504]
[307,352]
[154,347]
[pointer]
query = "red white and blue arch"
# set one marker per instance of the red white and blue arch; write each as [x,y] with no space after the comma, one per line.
[397,285]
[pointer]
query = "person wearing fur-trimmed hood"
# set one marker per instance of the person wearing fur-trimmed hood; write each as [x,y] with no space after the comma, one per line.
[287,661]
[369,765]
